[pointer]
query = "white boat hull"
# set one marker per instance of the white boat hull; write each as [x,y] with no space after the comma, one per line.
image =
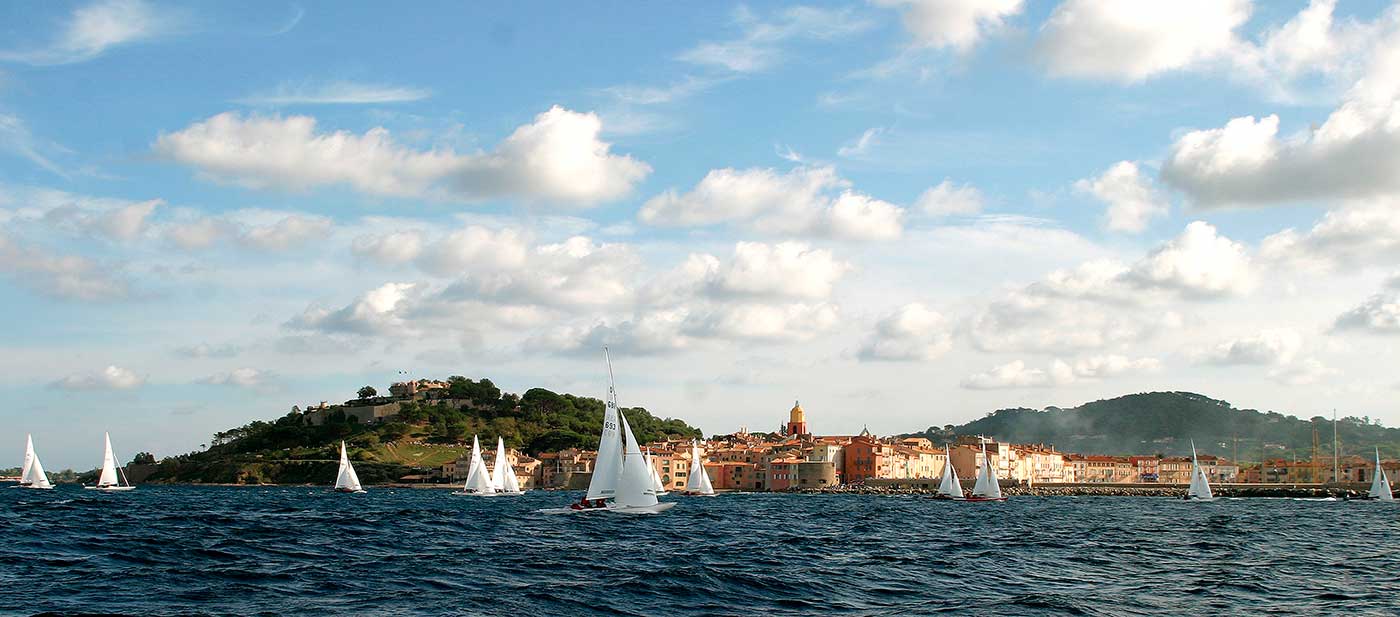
[350,491]
[31,486]
[475,494]
[616,509]
[110,489]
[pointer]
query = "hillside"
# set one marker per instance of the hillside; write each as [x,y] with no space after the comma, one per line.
[425,434]
[1164,422]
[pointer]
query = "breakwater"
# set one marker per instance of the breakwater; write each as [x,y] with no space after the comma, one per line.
[1302,491]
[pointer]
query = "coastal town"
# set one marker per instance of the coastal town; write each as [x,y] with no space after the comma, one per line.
[796,457]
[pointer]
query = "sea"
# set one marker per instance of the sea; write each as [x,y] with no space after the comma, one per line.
[179,550]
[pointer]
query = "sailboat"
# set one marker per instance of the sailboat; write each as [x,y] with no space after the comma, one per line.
[33,476]
[110,480]
[1200,487]
[949,487]
[345,480]
[698,484]
[657,486]
[478,479]
[1380,485]
[503,476]
[986,488]
[620,472]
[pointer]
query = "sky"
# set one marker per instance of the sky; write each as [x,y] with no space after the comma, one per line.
[903,213]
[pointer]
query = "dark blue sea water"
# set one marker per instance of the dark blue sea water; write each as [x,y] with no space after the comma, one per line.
[180,550]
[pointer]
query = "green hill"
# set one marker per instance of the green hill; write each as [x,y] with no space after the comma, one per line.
[425,435]
[1165,422]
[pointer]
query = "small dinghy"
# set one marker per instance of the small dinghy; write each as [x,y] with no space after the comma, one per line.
[949,487]
[1380,485]
[698,484]
[346,481]
[112,478]
[503,478]
[987,488]
[478,479]
[1200,486]
[620,472]
[32,475]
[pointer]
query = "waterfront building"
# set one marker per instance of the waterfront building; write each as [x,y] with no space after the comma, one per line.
[797,422]
[867,457]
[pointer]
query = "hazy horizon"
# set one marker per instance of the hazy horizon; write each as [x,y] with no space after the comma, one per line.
[904,214]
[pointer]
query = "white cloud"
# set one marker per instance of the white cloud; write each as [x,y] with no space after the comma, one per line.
[198,233]
[286,233]
[1303,373]
[801,201]
[239,377]
[765,322]
[206,350]
[95,28]
[1276,346]
[860,145]
[910,333]
[1032,322]
[1098,367]
[1379,314]
[782,271]
[336,93]
[1362,235]
[393,248]
[122,223]
[1131,41]
[1199,263]
[111,378]
[69,277]
[471,249]
[760,46]
[374,313]
[948,199]
[953,24]
[1016,374]
[1132,200]
[16,138]
[558,158]
[1352,155]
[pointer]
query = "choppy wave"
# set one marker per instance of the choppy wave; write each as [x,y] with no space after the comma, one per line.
[180,550]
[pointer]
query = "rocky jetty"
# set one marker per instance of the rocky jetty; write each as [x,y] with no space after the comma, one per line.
[1111,490]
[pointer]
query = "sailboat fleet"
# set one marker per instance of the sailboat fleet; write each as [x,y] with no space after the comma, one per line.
[32,475]
[482,482]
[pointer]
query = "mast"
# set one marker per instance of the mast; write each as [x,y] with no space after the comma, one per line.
[1335,467]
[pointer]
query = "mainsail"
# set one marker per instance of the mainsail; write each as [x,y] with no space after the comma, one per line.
[986,485]
[503,475]
[478,479]
[699,481]
[1380,485]
[608,465]
[657,485]
[1200,487]
[949,486]
[34,476]
[634,488]
[346,480]
[109,465]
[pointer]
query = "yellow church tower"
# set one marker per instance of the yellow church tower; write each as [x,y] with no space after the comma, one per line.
[797,420]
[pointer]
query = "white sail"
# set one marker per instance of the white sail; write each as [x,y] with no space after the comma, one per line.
[608,466]
[949,486]
[1380,485]
[346,479]
[109,464]
[699,481]
[987,485]
[512,483]
[28,458]
[35,478]
[1200,486]
[634,486]
[498,481]
[657,486]
[478,479]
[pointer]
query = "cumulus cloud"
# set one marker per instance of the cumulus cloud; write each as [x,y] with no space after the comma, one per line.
[283,232]
[122,223]
[68,277]
[1131,41]
[1303,373]
[1362,235]
[1379,314]
[111,378]
[374,313]
[1131,199]
[240,377]
[798,321]
[1352,155]
[948,199]
[1276,346]
[1099,367]
[557,158]
[953,24]
[1016,374]
[806,200]
[911,333]
[760,46]
[93,29]
[392,248]
[286,233]
[1199,263]
[336,93]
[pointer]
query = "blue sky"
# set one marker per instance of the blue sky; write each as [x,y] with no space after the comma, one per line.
[904,212]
